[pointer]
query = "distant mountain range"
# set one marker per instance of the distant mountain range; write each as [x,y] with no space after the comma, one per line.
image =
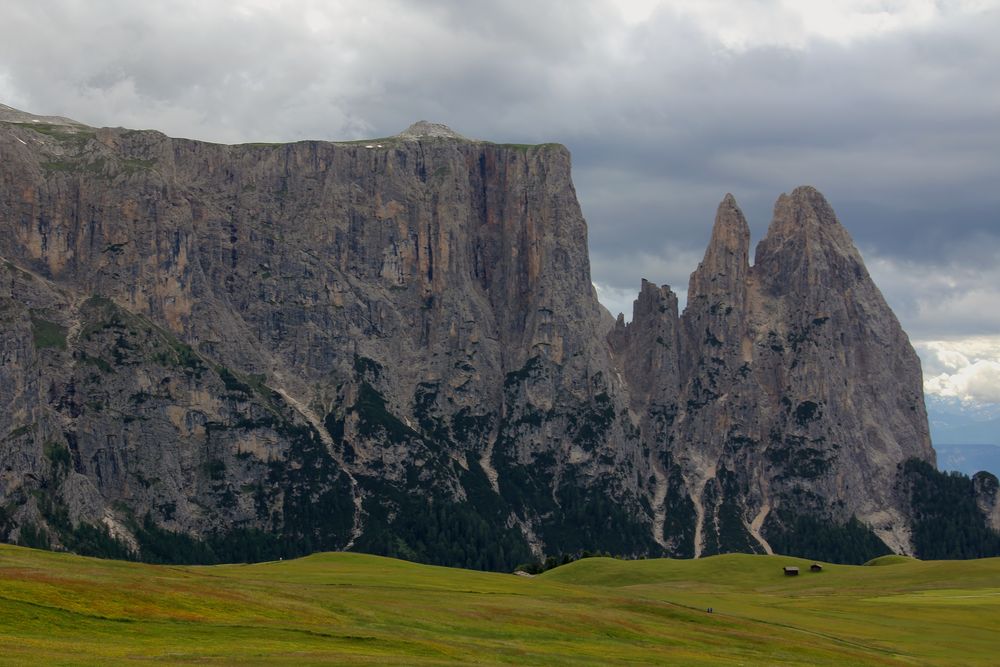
[951,422]
[966,438]
[969,459]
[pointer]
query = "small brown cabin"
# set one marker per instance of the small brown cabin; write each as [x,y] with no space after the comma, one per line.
[791,571]
[816,567]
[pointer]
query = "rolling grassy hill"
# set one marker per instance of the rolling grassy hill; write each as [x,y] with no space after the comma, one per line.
[354,608]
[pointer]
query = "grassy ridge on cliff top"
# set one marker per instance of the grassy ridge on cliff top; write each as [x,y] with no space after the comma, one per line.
[353,608]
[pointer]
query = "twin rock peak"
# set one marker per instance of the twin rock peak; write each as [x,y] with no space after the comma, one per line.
[805,241]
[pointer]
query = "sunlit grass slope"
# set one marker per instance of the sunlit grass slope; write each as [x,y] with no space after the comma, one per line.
[352,608]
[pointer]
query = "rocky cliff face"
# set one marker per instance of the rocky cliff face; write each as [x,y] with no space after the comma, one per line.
[799,392]
[986,490]
[394,346]
[365,345]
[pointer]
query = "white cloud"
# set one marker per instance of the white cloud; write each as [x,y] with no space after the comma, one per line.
[667,265]
[794,24]
[616,300]
[638,11]
[946,299]
[965,369]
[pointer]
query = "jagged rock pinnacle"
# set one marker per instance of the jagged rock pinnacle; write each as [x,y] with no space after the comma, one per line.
[726,260]
[806,242]
[423,128]
[805,203]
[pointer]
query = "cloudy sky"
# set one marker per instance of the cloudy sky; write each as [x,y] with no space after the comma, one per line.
[889,107]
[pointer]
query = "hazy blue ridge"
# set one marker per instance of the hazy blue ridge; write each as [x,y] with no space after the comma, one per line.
[969,459]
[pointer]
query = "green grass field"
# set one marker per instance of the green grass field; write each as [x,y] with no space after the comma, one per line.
[358,609]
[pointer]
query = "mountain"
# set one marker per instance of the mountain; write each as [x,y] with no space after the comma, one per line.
[953,422]
[237,352]
[969,459]
[797,392]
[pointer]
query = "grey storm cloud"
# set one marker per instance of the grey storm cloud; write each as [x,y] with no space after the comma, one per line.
[900,129]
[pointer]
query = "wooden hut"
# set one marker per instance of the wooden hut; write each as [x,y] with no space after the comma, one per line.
[816,567]
[791,571]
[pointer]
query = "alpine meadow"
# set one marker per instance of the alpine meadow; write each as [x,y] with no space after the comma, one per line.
[670,336]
